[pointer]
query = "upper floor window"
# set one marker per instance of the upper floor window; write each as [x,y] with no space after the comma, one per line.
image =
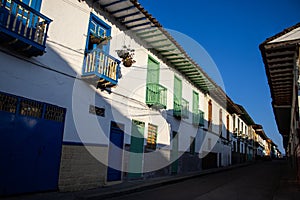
[156,94]
[227,127]
[98,63]
[197,114]
[242,127]
[177,96]
[35,4]
[99,34]
[220,121]
[233,121]
[153,69]
[209,115]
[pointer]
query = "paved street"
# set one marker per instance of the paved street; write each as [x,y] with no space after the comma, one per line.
[259,181]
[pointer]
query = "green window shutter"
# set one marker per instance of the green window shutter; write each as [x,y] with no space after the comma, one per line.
[177,96]
[195,102]
[201,116]
[152,71]
[196,116]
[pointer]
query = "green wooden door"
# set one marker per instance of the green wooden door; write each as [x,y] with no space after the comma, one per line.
[152,71]
[174,153]
[136,150]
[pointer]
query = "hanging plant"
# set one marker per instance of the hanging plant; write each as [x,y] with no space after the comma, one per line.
[103,40]
[127,56]
[122,53]
[128,61]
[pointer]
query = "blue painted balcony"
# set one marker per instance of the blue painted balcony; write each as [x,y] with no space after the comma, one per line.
[22,28]
[101,69]
[198,118]
[156,96]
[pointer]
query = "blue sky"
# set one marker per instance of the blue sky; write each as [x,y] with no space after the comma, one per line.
[231,31]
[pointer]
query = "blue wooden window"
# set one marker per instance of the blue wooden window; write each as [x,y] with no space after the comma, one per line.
[35,4]
[97,28]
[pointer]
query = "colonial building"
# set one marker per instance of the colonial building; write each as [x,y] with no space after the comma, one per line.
[280,55]
[99,94]
[246,135]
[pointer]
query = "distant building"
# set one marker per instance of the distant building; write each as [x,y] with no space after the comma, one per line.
[260,142]
[243,137]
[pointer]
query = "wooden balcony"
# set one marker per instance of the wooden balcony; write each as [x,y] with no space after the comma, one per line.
[156,96]
[101,69]
[22,28]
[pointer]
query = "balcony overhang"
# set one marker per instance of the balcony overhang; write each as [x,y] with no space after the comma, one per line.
[136,19]
[245,116]
[283,118]
[280,55]
[22,28]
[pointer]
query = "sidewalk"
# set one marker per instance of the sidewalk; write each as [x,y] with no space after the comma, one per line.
[120,189]
[288,188]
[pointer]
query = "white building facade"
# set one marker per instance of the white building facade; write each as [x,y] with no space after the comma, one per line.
[72,106]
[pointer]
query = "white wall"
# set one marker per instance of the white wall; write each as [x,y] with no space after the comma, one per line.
[65,52]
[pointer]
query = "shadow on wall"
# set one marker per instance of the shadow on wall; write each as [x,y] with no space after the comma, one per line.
[88,130]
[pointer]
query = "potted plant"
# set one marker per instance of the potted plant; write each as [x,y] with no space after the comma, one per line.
[127,56]
[103,40]
[128,61]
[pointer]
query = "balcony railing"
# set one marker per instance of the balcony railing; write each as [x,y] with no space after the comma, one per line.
[185,109]
[156,96]
[181,109]
[101,68]
[22,28]
[177,110]
[198,118]
[235,133]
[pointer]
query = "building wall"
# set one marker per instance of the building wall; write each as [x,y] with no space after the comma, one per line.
[55,78]
[79,168]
